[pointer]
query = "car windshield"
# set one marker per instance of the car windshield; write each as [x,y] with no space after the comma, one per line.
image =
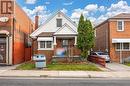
[102,53]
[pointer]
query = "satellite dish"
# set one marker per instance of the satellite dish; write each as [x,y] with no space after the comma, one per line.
[4,19]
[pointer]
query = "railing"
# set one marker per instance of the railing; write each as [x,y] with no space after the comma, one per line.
[97,60]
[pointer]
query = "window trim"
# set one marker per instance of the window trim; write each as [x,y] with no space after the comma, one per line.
[39,48]
[57,22]
[122,47]
[122,25]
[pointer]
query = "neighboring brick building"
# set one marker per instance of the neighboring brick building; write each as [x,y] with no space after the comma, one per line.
[58,33]
[113,35]
[15,28]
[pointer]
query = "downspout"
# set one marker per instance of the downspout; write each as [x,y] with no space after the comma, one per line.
[13,42]
[13,26]
[109,38]
[121,61]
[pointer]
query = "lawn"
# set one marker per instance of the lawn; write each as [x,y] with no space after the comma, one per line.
[26,66]
[73,67]
[128,63]
[61,67]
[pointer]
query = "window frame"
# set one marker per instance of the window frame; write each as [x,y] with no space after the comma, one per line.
[57,22]
[39,47]
[122,44]
[121,26]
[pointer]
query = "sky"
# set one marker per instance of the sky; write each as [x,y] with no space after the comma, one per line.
[95,10]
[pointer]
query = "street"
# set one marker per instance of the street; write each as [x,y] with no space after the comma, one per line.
[10,81]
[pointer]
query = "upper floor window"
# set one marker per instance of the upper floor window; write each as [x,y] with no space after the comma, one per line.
[120,25]
[59,22]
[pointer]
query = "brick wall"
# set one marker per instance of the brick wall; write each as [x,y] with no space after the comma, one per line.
[23,28]
[101,40]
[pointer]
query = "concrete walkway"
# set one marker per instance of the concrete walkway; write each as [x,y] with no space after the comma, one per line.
[64,74]
[7,68]
[118,71]
[117,67]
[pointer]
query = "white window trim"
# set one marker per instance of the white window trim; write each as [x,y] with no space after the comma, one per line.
[122,48]
[52,47]
[122,25]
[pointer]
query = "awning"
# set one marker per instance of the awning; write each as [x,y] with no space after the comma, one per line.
[45,39]
[120,40]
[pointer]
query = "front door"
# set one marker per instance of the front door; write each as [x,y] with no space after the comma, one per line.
[65,45]
[2,50]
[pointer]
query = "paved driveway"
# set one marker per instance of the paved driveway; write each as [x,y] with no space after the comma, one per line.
[7,68]
[117,67]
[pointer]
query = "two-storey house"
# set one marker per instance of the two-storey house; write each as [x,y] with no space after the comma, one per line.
[113,36]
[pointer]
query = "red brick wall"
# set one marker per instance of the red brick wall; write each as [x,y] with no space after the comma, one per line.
[50,53]
[111,26]
[101,37]
[23,28]
[47,53]
[116,34]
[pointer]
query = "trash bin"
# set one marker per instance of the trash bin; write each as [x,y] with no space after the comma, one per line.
[40,61]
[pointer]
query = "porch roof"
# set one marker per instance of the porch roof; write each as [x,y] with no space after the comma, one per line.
[45,39]
[120,40]
[46,34]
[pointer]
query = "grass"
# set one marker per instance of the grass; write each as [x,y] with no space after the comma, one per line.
[128,63]
[73,67]
[61,67]
[26,66]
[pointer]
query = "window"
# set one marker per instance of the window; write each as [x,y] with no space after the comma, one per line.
[42,44]
[48,44]
[45,45]
[120,25]
[122,46]
[126,46]
[59,22]
[118,46]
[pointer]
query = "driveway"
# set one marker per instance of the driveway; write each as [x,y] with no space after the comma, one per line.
[7,68]
[117,67]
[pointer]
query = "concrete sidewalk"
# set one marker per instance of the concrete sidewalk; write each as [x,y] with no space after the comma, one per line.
[117,67]
[70,74]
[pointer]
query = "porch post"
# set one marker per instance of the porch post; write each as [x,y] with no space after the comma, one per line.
[75,40]
[54,40]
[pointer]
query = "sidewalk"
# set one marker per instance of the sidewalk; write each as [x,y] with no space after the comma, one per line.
[9,71]
[70,74]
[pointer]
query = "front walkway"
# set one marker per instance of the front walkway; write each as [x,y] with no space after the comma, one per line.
[117,67]
[7,68]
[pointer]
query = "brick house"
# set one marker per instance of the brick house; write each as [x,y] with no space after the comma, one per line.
[15,27]
[57,32]
[113,36]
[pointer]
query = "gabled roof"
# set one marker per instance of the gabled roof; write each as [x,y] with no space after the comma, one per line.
[122,15]
[54,14]
[66,29]
[119,16]
[35,32]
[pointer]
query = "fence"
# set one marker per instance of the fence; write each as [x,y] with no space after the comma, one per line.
[97,60]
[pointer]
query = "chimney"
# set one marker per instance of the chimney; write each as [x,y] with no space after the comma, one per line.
[36,21]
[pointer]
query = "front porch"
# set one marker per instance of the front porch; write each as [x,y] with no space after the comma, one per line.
[65,48]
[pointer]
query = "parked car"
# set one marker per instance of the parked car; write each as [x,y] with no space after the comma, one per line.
[102,55]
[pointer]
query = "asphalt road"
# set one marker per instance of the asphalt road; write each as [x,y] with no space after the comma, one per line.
[62,82]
